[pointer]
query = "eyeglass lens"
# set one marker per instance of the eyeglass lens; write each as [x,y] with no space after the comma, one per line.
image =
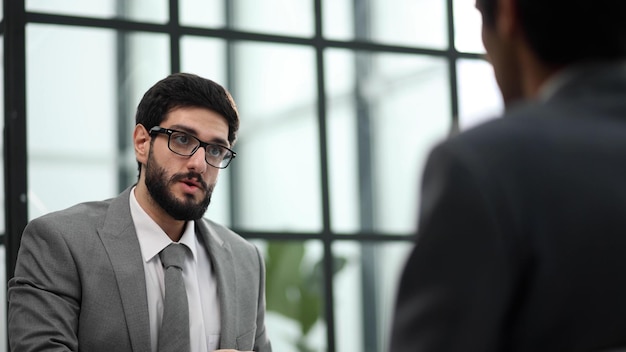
[184,144]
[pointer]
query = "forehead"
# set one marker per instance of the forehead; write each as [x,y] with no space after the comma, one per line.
[203,123]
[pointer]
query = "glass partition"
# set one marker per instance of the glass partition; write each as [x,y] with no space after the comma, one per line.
[138,10]
[365,281]
[346,195]
[395,22]
[479,97]
[73,111]
[385,112]
[202,13]
[467,27]
[291,18]
[278,160]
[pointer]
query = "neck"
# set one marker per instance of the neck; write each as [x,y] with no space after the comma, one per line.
[535,73]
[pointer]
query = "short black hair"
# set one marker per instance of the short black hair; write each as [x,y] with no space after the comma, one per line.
[187,90]
[563,32]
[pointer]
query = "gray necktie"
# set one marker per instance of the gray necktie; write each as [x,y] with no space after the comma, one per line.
[174,331]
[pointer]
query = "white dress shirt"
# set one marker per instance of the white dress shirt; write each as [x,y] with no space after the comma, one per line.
[204,313]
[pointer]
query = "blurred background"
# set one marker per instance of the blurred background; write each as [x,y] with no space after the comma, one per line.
[340,103]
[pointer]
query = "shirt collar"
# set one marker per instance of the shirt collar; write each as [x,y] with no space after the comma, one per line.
[152,239]
[556,82]
[563,78]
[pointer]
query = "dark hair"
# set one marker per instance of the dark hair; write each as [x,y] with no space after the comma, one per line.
[563,32]
[186,90]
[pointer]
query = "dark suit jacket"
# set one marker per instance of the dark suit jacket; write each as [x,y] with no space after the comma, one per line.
[521,243]
[80,285]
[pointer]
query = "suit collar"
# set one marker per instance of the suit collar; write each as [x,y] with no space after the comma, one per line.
[119,238]
[224,267]
[120,241]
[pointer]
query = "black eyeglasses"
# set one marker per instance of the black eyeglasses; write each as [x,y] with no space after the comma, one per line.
[185,144]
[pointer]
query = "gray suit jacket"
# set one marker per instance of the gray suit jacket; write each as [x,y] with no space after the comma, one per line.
[79,283]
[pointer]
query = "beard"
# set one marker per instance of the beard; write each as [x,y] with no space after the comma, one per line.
[158,186]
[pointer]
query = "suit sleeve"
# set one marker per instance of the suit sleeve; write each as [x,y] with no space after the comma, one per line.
[44,294]
[457,284]
[261,341]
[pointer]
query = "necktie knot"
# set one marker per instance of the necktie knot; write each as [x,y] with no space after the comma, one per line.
[173,255]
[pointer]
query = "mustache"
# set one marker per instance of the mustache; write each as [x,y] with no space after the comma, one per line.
[190,176]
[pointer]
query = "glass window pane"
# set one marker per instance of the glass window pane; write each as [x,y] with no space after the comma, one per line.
[93,8]
[148,60]
[139,10]
[71,113]
[205,57]
[338,19]
[72,97]
[294,295]
[278,160]
[145,10]
[285,17]
[479,97]
[467,27]
[399,22]
[403,109]
[342,138]
[410,22]
[202,13]
[364,292]
[411,109]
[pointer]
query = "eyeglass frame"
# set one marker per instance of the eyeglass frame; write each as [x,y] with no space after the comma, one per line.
[169,132]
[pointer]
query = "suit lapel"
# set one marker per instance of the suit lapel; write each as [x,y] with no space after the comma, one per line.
[224,268]
[120,241]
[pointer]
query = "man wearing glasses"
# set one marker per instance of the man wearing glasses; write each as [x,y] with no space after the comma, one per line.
[144,271]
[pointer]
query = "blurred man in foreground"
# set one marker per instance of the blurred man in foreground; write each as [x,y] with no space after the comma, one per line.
[522,231]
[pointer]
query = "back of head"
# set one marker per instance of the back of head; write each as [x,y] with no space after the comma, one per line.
[563,32]
[187,90]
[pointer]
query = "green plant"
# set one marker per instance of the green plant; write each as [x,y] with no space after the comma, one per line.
[295,290]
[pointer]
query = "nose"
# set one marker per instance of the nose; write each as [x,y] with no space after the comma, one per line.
[197,162]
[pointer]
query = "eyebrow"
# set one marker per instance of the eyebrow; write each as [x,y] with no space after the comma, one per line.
[193,132]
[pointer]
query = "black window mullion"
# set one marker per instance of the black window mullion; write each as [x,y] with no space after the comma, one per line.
[365,140]
[452,61]
[15,166]
[327,237]
[175,35]
[15,146]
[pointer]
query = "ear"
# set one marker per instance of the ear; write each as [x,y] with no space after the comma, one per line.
[141,142]
[507,20]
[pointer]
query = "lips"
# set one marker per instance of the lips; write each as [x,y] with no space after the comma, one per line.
[191,186]
[189,182]
[192,183]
